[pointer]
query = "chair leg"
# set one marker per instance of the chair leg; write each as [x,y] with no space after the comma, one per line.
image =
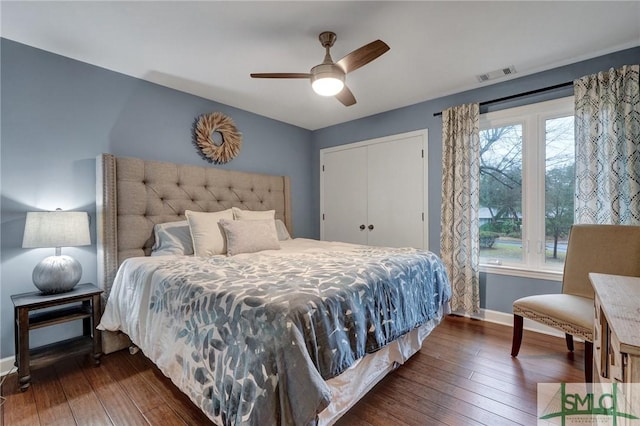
[518,322]
[588,362]
[569,339]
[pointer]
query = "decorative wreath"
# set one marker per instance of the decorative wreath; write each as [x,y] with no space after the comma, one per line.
[219,153]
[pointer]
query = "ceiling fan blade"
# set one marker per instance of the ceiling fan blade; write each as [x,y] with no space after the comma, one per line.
[362,56]
[346,97]
[281,75]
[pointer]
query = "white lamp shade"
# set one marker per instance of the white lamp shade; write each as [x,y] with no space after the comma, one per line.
[327,86]
[56,229]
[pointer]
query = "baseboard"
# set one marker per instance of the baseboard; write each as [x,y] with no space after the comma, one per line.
[6,365]
[507,319]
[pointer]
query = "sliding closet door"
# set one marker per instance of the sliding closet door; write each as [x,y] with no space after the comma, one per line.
[344,181]
[396,193]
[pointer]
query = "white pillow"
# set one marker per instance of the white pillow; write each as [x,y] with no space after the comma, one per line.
[250,236]
[172,238]
[239,214]
[281,229]
[207,235]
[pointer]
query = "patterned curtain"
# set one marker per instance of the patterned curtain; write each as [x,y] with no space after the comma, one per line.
[608,147]
[459,244]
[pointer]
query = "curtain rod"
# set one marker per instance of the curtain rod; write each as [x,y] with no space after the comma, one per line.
[520,95]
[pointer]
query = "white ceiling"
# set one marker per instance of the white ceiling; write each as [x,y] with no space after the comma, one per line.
[209,48]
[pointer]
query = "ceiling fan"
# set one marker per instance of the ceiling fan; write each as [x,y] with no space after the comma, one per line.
[327,78]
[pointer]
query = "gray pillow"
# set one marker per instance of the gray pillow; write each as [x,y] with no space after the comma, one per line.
[249,236]
[172,238]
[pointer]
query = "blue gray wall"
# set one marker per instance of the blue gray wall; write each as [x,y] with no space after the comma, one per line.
[498,292]
[58,114]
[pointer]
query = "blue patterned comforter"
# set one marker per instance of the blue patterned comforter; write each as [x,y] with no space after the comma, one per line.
[251,339]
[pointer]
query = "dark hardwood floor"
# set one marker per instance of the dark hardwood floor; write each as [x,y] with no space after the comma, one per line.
[464,375]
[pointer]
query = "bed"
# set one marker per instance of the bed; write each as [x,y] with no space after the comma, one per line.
[290,335]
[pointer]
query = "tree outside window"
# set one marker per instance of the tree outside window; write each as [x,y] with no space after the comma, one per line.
[534,148]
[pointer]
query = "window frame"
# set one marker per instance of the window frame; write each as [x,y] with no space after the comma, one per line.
[533,119]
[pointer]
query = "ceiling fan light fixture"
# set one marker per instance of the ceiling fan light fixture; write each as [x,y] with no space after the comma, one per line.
[327,79]
[327,86]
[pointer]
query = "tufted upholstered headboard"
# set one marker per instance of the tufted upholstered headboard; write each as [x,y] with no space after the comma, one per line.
[132,195]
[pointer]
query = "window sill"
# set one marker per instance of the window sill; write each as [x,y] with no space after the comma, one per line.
[522,272]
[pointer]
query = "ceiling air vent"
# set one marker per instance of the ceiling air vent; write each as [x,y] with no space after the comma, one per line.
[492,75]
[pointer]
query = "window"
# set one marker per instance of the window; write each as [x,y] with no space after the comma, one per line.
[526,188]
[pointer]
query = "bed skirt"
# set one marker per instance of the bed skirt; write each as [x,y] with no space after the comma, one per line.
[350,386]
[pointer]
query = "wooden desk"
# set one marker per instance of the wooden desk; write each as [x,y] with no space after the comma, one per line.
[616,334]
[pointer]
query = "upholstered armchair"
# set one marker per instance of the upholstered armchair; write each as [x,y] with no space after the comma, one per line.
[609,249]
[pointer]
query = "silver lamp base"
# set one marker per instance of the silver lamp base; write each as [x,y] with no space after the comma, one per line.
[57,274]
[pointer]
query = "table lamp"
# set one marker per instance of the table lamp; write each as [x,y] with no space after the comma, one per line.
[59,273]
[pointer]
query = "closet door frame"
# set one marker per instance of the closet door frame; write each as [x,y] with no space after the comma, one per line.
[420,133]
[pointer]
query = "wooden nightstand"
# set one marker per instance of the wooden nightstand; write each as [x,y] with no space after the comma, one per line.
[84,301]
